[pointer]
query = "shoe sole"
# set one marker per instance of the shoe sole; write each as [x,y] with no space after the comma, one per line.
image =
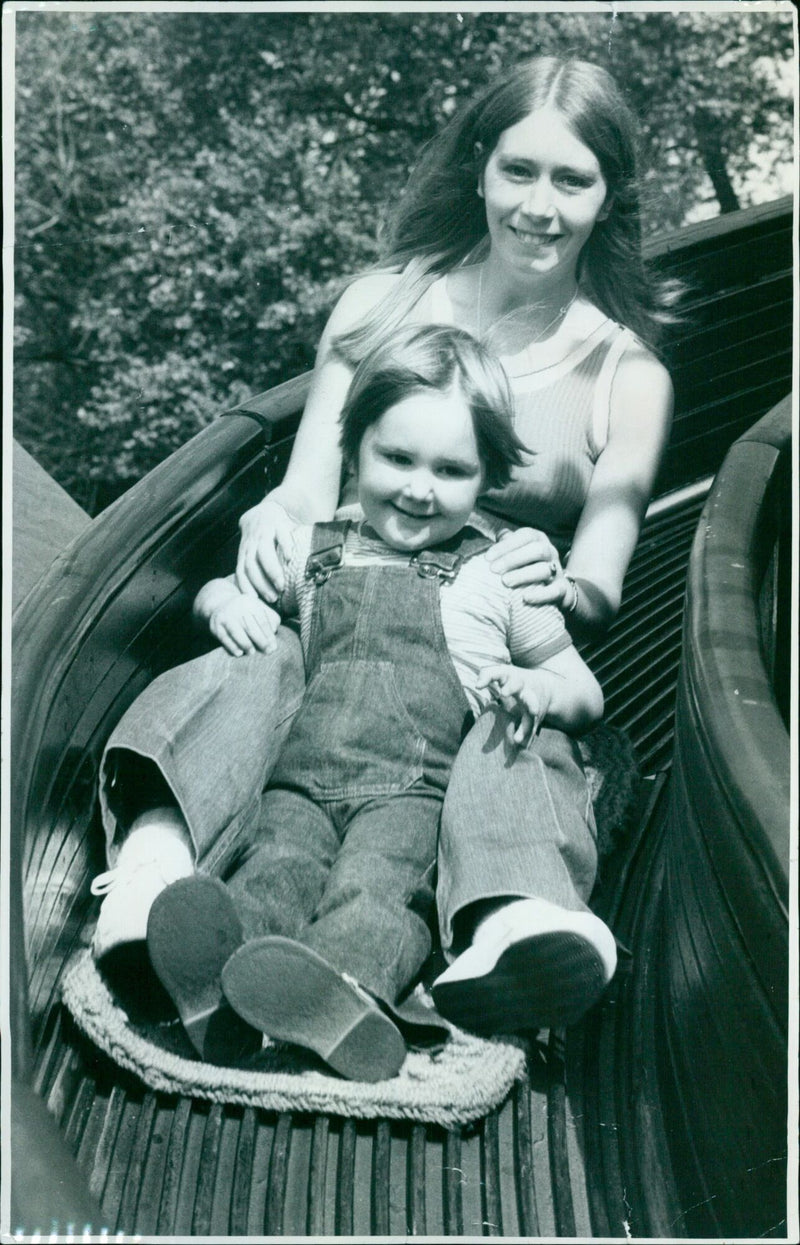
[547,981]
[192,930]
[294,995]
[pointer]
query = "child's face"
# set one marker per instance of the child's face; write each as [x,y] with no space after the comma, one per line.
[419,472]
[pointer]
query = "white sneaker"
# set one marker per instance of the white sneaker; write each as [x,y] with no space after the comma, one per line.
[532,964]
[155,854]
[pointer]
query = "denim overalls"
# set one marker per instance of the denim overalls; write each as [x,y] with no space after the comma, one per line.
[348,826]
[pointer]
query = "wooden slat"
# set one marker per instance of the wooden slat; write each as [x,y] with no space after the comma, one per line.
[317,1176]
[243,1174]
[490,1154]
[129,1202]
[453,1184]
[415,1182]
[80,1111]
[717,233]
[345,1179]
[381,1178]
[207,1172]
[557,1136]
[523,1162]
[278,1168]
[118,1160]
[173,1167]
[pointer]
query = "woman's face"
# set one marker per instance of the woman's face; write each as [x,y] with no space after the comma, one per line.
[544,192]
[419,472]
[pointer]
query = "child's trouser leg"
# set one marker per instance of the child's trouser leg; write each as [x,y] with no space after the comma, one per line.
[358,890]
[204,736]
[372,921]
[277,887]
[368,938]
[515,823]
[198,923]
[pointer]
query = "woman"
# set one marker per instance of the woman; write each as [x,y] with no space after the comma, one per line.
[520,224]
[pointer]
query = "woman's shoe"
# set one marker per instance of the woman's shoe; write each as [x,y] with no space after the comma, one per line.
[294,995]
[156,852]
[192,931]
[531,965]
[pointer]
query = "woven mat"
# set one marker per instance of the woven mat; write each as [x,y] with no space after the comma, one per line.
[459,1083]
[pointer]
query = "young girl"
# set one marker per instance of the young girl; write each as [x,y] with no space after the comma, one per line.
[406,634]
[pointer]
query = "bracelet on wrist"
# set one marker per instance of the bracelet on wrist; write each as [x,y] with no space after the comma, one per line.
[570,609]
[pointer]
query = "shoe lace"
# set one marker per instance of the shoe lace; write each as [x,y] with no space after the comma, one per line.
[105,882]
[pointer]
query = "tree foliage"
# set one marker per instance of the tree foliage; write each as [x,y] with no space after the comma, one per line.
[193,187]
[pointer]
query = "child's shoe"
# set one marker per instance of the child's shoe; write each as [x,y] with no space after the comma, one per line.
[192,931]
[532,964]
[294,995]
[156,852]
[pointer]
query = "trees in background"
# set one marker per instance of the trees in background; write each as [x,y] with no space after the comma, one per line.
[192,188]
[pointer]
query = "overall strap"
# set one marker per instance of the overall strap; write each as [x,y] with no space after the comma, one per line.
[445,561]
[327,549]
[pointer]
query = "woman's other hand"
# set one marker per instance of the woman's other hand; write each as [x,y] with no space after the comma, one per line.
[264,546]
[528,558]
[244,624]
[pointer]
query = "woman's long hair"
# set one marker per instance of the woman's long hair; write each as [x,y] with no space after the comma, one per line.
[439,222]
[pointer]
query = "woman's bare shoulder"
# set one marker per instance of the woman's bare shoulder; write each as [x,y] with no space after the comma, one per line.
[640,362]
[362,296]
[642,393]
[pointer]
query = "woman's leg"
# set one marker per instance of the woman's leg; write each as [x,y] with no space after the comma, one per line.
[182,775]
[203,737]
[515,823]
[517,863]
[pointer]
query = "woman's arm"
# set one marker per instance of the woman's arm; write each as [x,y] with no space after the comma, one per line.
[309,492]
[622,482]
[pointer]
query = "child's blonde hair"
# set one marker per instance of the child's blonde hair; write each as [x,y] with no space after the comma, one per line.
[436,357]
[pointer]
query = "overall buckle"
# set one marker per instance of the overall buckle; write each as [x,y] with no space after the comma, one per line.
[320,565]
[436,566]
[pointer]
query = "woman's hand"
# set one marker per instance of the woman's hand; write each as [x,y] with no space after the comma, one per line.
[265,544]
[522,694]
[244,625]
[527,557]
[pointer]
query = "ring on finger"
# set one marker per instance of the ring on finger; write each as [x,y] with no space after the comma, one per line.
[552,568]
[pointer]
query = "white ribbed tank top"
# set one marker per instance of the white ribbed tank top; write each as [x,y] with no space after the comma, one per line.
[562,413]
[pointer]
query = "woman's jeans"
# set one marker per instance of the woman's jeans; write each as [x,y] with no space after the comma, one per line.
[205,735]
[208,734]
[516,821]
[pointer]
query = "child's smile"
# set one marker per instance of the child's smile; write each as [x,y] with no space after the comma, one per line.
[419,470]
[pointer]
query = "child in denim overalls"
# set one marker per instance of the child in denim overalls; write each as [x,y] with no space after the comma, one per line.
[324,926]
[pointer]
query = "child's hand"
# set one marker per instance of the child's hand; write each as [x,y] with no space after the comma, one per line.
[522,695]
[243,624]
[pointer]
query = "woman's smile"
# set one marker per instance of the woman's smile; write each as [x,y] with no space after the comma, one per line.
[531,237]
[544,192]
